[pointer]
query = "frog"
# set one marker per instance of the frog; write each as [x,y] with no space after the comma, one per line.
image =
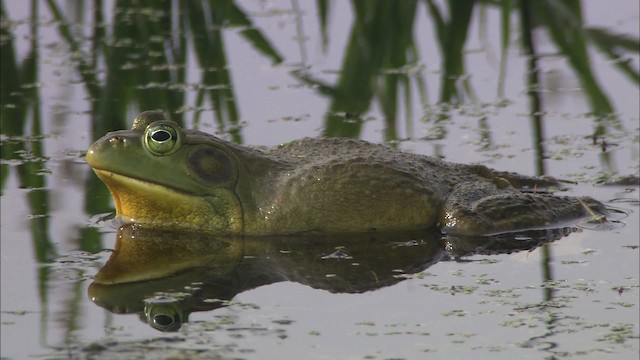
[161,175]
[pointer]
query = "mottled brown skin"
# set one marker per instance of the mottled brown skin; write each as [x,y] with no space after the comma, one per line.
[322,186]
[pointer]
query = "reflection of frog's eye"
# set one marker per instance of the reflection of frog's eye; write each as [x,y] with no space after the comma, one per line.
[166,322]
[161,139]
[163,314]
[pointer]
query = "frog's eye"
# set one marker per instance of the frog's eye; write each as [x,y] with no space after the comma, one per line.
[162,139]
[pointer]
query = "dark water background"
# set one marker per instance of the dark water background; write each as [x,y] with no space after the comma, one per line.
[537,87]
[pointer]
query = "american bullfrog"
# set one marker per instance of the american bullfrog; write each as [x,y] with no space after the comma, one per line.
[161,175]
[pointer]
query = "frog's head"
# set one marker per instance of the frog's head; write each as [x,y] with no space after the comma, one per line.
[164,176]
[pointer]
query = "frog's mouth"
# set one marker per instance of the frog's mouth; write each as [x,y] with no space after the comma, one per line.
[160,206]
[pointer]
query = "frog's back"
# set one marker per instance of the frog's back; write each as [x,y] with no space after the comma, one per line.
[316,153]
[353,185]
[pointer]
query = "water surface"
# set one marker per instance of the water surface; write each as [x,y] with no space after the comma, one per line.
[420,76]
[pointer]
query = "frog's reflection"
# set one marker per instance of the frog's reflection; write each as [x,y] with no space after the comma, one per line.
[164,276]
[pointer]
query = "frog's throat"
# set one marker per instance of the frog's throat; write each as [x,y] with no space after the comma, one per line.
[163,207]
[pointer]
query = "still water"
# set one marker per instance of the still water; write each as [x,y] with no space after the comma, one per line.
[539,88]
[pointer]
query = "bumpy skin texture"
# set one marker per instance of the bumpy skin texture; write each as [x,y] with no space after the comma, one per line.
[313,186]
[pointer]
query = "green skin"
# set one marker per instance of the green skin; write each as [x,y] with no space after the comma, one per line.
[192,180]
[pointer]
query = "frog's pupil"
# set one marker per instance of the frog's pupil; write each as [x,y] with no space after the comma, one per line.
[163,320]
[161,135]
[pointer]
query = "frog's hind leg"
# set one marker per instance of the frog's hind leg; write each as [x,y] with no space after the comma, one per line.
[480,208]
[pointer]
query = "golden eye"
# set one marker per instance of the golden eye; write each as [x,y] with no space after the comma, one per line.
[162,139]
